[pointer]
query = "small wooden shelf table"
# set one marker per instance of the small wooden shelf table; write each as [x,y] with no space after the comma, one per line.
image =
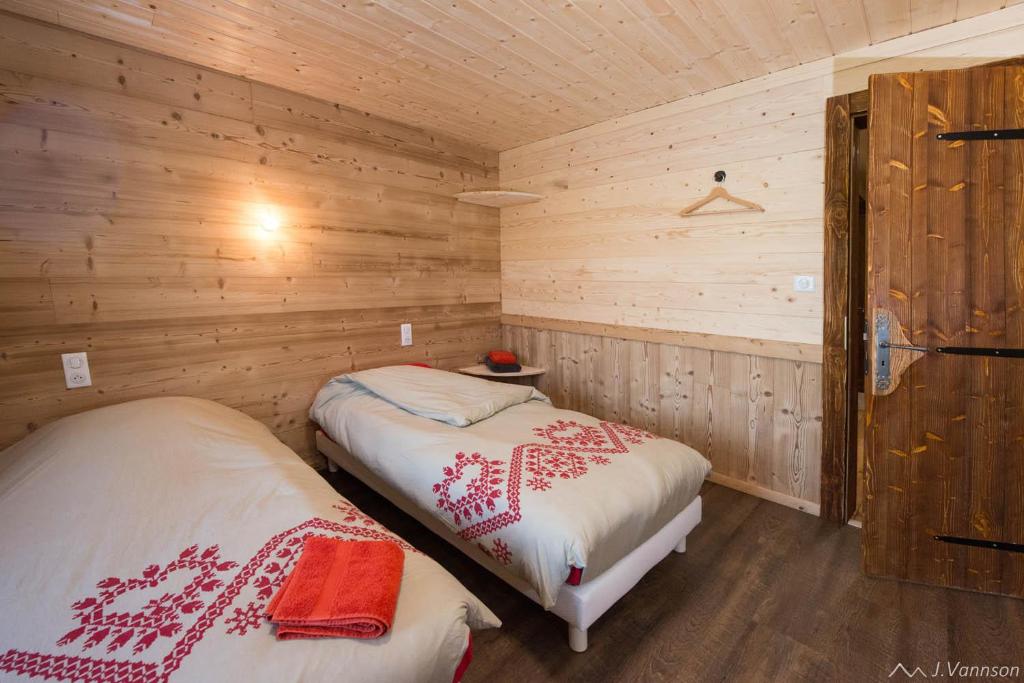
[525,376]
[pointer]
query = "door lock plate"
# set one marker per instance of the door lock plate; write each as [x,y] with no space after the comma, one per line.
[883,366]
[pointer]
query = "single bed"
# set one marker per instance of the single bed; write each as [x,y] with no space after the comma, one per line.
[142,541]
[570,510]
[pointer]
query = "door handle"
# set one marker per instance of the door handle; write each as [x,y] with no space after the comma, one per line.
[905,347]
[891,352]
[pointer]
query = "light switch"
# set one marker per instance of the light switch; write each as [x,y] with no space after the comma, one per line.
[803,283]
[406,334]
[76,370]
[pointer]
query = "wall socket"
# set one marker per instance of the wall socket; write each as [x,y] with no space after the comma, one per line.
[76,370]
[803,283]
[406,334]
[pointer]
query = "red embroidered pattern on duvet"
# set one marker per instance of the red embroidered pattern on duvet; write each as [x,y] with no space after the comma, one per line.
[568,451]
[187,613]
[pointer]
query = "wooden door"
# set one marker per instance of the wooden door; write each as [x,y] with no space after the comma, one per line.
[945,449]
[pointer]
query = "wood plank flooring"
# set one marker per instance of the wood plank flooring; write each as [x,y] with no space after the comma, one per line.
[764,593]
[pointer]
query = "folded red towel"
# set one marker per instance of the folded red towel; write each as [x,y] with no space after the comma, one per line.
[502,357]
[345,589]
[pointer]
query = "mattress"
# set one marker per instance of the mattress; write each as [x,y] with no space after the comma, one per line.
[544,492]
[142,542]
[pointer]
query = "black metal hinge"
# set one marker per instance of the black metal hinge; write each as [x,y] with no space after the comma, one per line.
[978,543]
[980,351]
[1005,134]
[958,350]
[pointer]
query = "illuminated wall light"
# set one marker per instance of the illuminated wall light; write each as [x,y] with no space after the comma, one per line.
[268,219]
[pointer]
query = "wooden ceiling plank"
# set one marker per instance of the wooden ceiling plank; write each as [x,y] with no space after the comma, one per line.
[689,51]
[593,35]
[887,19]
[800,24]
[845,23]
[707,17]
[439,55]
[972,8]
[508,39]
[585,58]
[696,50]
[926,14]
[312,41]
[411,101]
[755,22]
[424,23]
[606,52]
[617,20]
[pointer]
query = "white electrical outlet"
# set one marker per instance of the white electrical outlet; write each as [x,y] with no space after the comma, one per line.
[406,334]
[76,370]
[803,283]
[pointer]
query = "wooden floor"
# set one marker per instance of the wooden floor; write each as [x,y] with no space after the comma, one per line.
[763,593]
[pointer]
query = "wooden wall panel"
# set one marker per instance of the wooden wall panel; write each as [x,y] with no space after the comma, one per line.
[757,419]
[130,187]
[607,253]
[607,244]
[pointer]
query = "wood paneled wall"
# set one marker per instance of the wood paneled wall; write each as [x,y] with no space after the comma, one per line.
[607,249]
[758,420]
[130,186]
[608,245]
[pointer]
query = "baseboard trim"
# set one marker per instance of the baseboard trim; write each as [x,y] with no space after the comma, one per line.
[767,494]
[766,348]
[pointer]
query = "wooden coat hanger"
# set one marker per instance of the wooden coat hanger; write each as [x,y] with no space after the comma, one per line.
[719,192]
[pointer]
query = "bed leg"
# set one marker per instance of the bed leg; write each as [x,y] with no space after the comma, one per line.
[577,639]
[681,546]
[332,466]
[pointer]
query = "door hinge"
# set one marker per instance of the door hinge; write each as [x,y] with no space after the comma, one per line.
[1004,134]
[979,543]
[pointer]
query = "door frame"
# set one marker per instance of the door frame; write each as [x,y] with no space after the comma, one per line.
[838,463]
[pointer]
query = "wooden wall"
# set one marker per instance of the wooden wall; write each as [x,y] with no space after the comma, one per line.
[129,191]
[608,251]
[758,420]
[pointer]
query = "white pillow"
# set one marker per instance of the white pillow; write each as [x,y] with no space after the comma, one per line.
[458,400]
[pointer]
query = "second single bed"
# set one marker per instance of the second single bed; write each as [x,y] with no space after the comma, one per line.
[568,509]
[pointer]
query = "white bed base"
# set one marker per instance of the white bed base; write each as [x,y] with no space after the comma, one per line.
[580,605]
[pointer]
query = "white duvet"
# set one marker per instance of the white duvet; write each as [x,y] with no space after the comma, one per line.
[141,542]
[540,490]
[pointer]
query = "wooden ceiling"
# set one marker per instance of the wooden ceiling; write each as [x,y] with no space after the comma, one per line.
[500,72]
